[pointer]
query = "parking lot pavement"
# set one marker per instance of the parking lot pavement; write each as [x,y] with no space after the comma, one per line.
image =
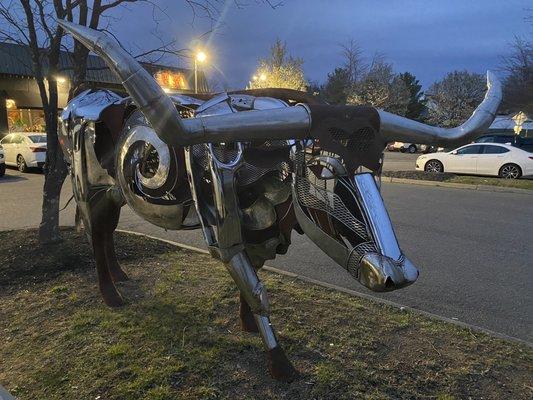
[473,248]
[396,161]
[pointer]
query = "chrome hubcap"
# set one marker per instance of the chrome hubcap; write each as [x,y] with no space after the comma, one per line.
[433,167]
[510,172]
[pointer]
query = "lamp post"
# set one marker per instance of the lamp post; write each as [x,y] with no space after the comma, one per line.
[200,56]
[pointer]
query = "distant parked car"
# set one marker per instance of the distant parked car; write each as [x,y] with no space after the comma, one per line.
[495,138]
[25,150]
[2,162]
[410,147]
[493,159]
[520,141]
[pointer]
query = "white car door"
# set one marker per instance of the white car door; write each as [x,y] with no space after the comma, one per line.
[8,148]
[492,158]
[463,160]
[17,146]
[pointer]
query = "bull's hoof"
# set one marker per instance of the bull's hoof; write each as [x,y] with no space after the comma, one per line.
[112,297]
[279,366]
[119,276]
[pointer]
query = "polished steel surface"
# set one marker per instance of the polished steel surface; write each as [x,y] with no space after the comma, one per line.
[266,331]
[376,216]
[251,287]
[280,123]
[89,104]
[396,128]
[139,191]
[381,274]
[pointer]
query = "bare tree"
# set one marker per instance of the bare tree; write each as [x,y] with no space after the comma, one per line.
[279,70]
[380,87]
[354,63]
[518,83]
[341,81]
[453,99]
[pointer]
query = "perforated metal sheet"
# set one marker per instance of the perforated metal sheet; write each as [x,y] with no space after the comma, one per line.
[312,196]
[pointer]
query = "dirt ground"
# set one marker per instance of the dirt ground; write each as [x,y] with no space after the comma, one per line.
[178,335]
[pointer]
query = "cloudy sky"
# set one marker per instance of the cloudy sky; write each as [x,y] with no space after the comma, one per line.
[426,37]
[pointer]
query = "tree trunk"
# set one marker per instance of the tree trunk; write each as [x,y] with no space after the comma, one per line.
[53,182]
[55,173]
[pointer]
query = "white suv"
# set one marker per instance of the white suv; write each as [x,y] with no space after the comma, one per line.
[2,162]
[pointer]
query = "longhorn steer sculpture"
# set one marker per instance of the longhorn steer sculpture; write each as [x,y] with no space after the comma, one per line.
[247,168]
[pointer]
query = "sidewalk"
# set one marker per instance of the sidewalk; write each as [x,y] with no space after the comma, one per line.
[4,395]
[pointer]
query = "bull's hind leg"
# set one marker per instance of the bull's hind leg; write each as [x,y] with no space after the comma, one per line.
[254,294]
[117,273]
[104,213]
[109,292]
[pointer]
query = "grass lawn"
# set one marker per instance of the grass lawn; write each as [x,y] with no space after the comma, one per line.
[178,336]
[467,179]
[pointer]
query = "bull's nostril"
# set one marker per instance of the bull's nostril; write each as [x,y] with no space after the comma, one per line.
[389,284]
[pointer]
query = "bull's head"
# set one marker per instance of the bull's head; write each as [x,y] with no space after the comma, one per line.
[335,204]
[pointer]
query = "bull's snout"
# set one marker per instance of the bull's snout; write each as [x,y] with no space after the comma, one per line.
[382,274]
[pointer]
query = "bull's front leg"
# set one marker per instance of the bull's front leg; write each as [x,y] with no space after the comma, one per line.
[253,292]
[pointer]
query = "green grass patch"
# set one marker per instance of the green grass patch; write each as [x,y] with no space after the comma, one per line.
[464,179]
[178,336]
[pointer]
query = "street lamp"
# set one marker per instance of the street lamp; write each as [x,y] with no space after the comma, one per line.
[199,57]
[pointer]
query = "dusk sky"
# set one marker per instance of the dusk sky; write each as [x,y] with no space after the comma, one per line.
[426,37]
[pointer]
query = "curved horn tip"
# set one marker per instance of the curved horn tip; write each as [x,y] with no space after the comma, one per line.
[492,79]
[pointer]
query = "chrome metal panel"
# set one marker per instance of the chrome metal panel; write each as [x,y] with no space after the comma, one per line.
[284,123]
[162,209]
[89,105]
[220,98]
[252,289]
[268,103]
[266,331]
[381,274]
[377,218]
[242,101]
[226,205]
[185,100]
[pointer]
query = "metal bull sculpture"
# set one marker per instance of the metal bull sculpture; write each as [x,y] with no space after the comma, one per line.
[247,168]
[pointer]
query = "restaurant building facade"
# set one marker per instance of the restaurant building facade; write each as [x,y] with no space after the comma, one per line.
[20,102]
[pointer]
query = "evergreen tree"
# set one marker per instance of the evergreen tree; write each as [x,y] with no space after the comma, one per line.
[416,105]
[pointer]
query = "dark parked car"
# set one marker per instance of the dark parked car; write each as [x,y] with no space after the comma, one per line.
[524,143]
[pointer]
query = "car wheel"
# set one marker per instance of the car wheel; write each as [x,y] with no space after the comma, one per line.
[434,166]
[510,171]
[2,169]
[412,149]
[21,164]
[402,150]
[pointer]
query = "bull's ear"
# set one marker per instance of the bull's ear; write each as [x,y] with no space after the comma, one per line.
[153,102]
[396,128]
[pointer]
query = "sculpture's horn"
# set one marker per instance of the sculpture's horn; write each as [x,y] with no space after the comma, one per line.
[394,127]
[153,102]
[159,110]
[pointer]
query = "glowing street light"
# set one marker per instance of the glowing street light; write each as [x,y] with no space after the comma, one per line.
[199,57]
